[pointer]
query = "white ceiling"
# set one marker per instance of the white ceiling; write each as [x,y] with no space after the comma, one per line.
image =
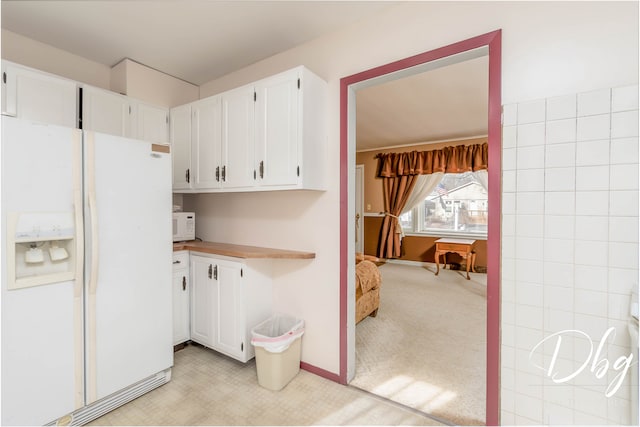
[200,40]
[194,40]
[437,105]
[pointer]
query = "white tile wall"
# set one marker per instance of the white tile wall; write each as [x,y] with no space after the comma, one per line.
[569,251]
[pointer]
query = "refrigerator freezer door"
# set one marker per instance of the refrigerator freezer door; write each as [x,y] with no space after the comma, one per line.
[129,252]
[42,353]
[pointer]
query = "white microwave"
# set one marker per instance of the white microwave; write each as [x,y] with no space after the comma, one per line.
[184,226]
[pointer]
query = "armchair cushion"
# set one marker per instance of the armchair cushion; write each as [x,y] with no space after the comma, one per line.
[367,289]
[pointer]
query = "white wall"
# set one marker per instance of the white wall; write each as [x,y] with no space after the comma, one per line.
[153,86]
[549,49]
[25,51]
[127,77]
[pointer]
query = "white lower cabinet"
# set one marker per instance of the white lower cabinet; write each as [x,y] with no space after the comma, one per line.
[181,301]
[229,296]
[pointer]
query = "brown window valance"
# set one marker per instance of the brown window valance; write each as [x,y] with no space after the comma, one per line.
[455,159]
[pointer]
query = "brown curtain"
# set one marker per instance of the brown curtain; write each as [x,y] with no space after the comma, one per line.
[396,192]
[456,159]
[399,175]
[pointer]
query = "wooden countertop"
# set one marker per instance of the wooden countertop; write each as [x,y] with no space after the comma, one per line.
[240,251]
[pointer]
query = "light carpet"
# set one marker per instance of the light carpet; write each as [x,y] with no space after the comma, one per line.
[208,388]
[427,346]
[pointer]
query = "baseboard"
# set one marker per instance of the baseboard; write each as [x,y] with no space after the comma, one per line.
[412,263]
[453,266]
[320,372]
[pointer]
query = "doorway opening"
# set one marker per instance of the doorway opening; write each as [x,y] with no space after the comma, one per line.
[487,44]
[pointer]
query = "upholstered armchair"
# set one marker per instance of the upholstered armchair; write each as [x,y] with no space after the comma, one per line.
[368,282]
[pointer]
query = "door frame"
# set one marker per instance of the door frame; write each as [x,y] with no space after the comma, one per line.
[493,42]
[360,195]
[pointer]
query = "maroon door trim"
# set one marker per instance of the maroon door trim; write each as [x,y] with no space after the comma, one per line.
[493,41]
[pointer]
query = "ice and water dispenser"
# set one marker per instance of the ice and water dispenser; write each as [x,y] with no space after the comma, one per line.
[41,248]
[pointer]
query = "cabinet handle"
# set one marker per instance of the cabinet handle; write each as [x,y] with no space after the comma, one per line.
[187,175]
[215,272]
[176,262]
[217,173]
[241,346]
[210,271]
[261,169]
[4,77]
[224,173]
[184,283]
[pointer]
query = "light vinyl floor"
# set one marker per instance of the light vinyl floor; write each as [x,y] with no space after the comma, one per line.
[208,388]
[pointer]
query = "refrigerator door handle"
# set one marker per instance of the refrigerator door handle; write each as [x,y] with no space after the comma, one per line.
[93,214]
[90,160]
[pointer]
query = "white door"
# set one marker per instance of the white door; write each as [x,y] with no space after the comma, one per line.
[230,325]
[277,139]
[41,97]
[203,300]
[152,123]
[128,229]
[359,217]
[42,354]
[181,146]
[180,306]
[106,112]
[206,148]
[237,137]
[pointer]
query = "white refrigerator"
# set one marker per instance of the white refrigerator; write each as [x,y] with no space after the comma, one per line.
[86,272]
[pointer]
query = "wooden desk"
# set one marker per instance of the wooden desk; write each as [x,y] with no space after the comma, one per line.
[463,247]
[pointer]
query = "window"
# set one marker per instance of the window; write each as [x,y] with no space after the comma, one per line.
[458,205]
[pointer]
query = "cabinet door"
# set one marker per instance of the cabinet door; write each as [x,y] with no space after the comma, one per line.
[41,97]
[277,130]
[206,143]
[152,123]
[181,146]
[230,319]
[181,332]
[106,112]
[203,300]
[237,138]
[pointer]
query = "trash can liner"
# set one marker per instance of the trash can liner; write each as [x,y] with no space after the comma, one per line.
[277,333]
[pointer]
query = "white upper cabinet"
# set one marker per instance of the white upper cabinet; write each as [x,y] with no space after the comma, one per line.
[291,131]
[180,128]
[206,140]
[272,134]
[106,112]
[212,142]
[109,112]
[152,122]
[237,137]
[38,96]
[276,142]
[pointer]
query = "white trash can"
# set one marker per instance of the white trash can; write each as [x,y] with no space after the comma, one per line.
[277,343]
